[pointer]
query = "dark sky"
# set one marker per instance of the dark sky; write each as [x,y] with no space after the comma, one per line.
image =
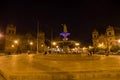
[80,17]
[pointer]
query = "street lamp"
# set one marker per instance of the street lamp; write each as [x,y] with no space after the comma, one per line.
[77,44]
[1,35]
[12,46]
[119,41]
[54,43]
[16,42]
[31,43]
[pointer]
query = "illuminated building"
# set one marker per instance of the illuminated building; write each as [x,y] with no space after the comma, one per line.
[21,43]
[108,39]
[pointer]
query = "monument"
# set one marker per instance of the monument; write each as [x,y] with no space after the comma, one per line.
[65,34]
[65,41]
[65,45]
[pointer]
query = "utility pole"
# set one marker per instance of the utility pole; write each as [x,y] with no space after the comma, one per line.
[37,37]
[51,38]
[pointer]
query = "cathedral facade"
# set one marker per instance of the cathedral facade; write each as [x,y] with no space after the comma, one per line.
[107,40]
[16,43]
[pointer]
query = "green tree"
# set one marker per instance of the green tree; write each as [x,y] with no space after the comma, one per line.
[115,48]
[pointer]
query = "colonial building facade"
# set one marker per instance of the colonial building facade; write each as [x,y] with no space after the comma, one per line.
[107,40]
[15,43]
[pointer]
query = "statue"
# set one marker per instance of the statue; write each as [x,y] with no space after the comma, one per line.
[65,33]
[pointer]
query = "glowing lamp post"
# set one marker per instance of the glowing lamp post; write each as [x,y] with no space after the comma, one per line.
[12,46]
[54,43]
[77,44]
[16,43]
[77,47]
[119,41]
[31,43]
[1,35]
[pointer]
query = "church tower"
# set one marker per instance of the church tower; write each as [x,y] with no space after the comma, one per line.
[9,37]
[110,36]
[95,36]
[11,30]
[41,41]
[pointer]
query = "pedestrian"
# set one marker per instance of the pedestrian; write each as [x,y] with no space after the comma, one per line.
[45,52]
[28,52]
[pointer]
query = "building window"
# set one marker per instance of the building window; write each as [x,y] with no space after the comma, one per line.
[9,31]
[95,36]
[109,33]
[12,31]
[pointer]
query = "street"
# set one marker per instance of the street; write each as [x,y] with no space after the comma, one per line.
[60,67]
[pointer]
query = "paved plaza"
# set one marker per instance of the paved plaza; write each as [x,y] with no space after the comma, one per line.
[59,67]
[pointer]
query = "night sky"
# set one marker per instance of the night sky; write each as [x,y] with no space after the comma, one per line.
[80,17]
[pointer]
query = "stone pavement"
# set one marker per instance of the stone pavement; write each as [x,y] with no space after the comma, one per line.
[59,67]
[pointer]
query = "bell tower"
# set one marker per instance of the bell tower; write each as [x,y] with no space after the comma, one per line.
[110,36]
[9,37]
[110,31]
[11,30]
[95,36]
